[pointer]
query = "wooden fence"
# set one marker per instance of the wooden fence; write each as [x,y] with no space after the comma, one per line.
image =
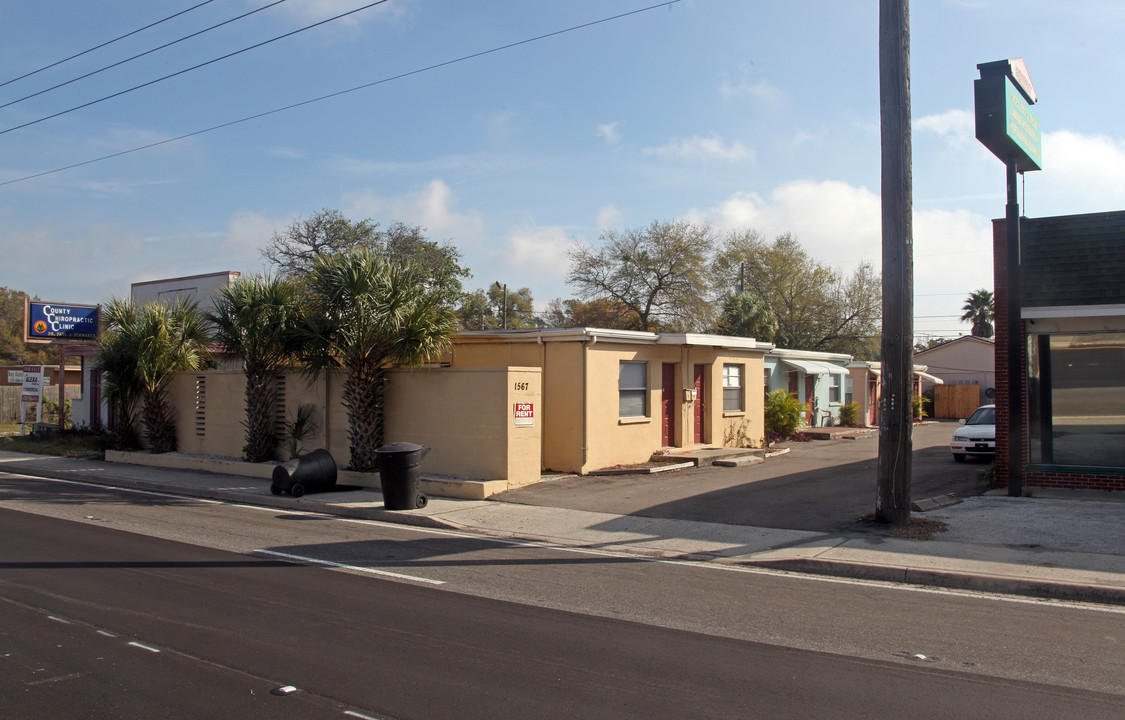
[10,401]
[956,401]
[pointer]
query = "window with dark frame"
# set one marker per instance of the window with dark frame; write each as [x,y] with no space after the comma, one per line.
[632,389]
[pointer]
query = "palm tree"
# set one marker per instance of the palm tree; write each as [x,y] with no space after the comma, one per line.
[979,310]
[117,363]
[364,315]
[143,349]
[254,319]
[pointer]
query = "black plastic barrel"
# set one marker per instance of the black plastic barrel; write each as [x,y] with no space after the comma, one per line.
[400,472]
[314,472]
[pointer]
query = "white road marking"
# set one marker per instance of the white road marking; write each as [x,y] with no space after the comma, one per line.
[344,566]
[59,619]
[144,647]
[589,551]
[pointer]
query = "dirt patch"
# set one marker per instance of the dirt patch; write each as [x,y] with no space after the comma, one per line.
[917,529]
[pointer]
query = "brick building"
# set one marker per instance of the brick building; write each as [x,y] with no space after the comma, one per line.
[1072,348]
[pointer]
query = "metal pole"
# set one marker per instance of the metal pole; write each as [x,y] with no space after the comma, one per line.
[896,416]
[1014,326]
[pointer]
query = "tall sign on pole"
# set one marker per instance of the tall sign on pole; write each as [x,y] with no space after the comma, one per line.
[1007,125]
[60,324]
[896,405]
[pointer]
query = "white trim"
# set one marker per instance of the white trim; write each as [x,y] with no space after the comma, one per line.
[810,367]
[1072,311]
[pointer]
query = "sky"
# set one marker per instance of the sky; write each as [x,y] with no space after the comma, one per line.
[515,130]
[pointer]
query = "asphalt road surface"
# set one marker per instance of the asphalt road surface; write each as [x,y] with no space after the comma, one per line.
[820,485]
[114,603]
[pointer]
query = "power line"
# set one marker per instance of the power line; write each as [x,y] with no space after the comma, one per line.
[141,55]
[194,67]
[108,42]
[341,92]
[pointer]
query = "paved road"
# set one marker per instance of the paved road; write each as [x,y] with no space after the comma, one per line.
[976,638]
[820,485]
[238,625]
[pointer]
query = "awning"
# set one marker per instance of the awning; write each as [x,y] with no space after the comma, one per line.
[926,376]
[812,367]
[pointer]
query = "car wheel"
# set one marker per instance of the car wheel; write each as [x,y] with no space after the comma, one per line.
[297,489]
[959,458]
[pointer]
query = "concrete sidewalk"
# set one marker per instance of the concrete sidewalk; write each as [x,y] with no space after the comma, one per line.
[1065,549]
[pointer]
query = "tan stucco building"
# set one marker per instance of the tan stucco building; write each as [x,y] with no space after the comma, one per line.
[614,397]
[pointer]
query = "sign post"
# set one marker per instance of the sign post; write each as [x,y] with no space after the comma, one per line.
[32,392]
[1007,126]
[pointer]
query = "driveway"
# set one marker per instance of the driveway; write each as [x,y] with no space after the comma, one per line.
[819,485]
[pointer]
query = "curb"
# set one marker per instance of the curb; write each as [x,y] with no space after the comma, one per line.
[399,517]
[947,579]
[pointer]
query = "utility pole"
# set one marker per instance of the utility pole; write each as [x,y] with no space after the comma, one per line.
[896,413]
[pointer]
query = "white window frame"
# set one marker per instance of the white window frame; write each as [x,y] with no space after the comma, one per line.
[628,392]
[733,379]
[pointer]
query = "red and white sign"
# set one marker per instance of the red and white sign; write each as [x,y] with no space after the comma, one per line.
[32,384]
[524,413]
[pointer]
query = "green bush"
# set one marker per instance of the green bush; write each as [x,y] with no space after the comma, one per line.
[849,414]
[785,415]
[919,411]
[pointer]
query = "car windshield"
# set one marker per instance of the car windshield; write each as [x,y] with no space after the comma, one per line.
[983,416]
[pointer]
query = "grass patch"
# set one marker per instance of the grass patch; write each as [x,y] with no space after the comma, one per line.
[66,445]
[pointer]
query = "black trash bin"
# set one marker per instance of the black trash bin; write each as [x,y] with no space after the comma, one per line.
[314,472]
[400,470]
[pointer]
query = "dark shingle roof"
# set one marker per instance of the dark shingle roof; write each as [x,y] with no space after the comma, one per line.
[1073,260]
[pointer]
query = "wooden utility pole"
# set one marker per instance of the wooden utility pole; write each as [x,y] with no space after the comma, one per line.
[896,413]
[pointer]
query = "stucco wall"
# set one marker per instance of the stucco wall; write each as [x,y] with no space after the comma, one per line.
[465,415]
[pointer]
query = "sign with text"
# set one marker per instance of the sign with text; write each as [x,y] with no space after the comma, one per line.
[1005,122]
[32,384]
[60,322]
[524,413]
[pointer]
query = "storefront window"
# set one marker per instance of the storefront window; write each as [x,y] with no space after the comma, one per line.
[1076,399]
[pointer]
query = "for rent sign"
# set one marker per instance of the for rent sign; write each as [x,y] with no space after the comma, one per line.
[524,413]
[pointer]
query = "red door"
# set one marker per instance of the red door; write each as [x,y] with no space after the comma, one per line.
[668,404]
[700,405]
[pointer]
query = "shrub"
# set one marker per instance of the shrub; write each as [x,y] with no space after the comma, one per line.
[919,411]
[849,414]
[785,415]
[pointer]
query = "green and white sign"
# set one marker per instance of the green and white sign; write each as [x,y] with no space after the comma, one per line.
[1006,123]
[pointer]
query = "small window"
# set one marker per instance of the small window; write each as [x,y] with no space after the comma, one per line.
[848,390]
[834,389]
[632,389]
[732,388]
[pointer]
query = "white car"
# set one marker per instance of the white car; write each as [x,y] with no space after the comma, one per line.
[977,436]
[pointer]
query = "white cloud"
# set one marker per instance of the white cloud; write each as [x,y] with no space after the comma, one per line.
[310,11]
[251,231]
[539,251]
[430,207]
[702,149]
[1091,166]
[762,91]
[610,132]
[288,153]
[840,225]
[956,127]
[608,217]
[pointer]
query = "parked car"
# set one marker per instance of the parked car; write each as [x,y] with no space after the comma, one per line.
[977,436]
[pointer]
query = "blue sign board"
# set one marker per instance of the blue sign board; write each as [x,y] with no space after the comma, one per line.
[61,322]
